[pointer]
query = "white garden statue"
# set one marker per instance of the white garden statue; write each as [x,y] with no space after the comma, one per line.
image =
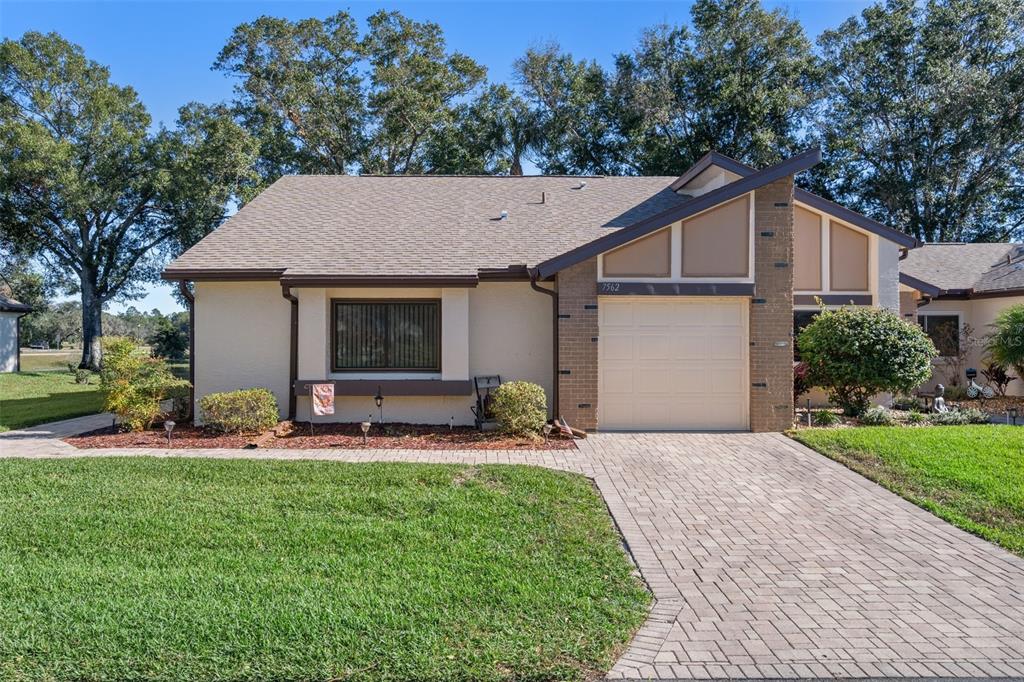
[940,402]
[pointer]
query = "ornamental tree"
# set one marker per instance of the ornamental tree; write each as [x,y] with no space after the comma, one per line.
[90,189]
[1006,345]
[857,352]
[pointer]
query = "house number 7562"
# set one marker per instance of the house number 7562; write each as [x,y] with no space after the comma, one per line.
[609,287]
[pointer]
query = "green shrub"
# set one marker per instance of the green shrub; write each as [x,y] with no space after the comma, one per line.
[917,418]
[858,351]
[1006,344]
[877,415]
[251,410]
[825,418]
[958,417]
[975,416]
[134,385]
[997,376]
[950,418]
[520,408]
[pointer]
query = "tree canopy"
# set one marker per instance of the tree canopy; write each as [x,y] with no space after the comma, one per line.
[919,108]
[322,98]
[86,185]
[923,118]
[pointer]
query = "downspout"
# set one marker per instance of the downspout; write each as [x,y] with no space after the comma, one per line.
[190,299]
[554,340]
[293,351]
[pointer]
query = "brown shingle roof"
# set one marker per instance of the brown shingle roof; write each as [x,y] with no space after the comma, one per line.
[422,225]
[9,305]
[983,268]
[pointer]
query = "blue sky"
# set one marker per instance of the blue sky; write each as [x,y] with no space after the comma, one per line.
[165,49]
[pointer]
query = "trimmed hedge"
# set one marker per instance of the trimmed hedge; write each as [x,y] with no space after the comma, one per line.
[250,410]
[521,408]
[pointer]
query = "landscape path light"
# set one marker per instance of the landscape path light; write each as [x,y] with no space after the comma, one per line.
[379,399]
[169,426]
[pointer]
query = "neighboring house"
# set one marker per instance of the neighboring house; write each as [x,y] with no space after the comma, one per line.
[945,286]
[11,313]
[636,302]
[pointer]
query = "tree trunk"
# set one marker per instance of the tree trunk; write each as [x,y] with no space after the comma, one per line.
[92,326]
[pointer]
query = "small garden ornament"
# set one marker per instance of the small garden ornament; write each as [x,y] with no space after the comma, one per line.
[940,402]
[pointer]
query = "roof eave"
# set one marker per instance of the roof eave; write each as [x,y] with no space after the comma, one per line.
[221,274]
[751,182]
[921,285]
[801,195]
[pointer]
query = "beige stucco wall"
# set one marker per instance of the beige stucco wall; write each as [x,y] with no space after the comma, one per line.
[848,261]
[495,328]
[650,256]
[716,242]
[806,250]
[242,341]
[980,313]
[9,342]
[242,338]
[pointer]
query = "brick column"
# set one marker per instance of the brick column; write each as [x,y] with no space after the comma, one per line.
[771,310]
[577,345]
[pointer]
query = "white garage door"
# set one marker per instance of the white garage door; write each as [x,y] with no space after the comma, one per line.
[673,363]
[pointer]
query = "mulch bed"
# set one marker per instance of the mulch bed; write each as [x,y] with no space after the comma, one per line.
[325,436]
[184,436]
[997,405]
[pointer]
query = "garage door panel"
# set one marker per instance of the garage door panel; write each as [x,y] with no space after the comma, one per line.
[619,381]
[688,345]
[653,315]
[688,381]
[615,347]
[673,363]
[727,347]
[652,381]
[724,315]
[653,347]
[616,313]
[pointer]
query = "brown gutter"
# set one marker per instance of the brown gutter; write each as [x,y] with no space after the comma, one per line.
[190,299]
[379,281]
[293,349]
[223,274]
[554,339]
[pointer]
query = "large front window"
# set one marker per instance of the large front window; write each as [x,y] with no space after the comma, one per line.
[387,335]
[944,331]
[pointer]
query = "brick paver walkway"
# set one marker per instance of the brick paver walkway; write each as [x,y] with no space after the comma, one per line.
[766,559]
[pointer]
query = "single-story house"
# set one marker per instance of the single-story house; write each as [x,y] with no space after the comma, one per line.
[635,302]
[11,312]
[945,286]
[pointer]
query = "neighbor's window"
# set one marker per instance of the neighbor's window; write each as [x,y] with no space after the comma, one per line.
[944,331]
[387,335]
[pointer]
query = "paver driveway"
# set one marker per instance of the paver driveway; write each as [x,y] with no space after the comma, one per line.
[766,559]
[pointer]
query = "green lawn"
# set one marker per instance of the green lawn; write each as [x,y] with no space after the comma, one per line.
[185,569]
[972,476]
[29,398]
[41,360]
